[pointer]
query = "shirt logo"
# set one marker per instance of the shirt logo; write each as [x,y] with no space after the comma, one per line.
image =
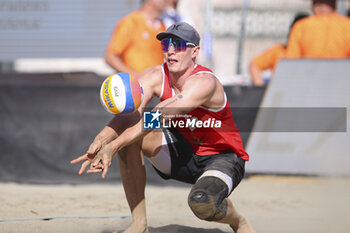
[151,120]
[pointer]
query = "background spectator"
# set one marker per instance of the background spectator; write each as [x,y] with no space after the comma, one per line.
[326,34]
[268,59]
[133,47]
[171,15]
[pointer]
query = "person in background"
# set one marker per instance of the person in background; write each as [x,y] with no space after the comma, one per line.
[171,15]
[133,47]
[326,34]
[268,59]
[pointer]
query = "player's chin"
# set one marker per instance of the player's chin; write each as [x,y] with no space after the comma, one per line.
[173,67]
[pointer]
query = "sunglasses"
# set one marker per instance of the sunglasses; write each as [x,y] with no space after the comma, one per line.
[178,44]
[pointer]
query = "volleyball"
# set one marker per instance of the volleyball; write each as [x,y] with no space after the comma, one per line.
[121,93]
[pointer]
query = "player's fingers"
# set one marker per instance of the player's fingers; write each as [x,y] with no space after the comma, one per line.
[96,161]
[106,163]
[97,170]
[79,159]
[99,165]
[83,167]
[104,173]
[94,147]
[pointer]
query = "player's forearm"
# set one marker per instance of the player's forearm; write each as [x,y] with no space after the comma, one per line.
[129,136]
[123,130]
[116,126]
[106,135]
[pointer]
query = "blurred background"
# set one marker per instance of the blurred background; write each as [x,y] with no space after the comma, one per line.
[66,36]
[52,64]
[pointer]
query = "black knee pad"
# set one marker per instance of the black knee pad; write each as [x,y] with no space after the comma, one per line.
[207,198]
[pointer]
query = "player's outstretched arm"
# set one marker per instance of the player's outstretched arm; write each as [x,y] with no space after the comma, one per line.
[101,151]
[108,134]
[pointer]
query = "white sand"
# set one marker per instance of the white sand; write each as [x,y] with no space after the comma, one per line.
[273,204]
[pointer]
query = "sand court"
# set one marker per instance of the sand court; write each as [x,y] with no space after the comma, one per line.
[272,203]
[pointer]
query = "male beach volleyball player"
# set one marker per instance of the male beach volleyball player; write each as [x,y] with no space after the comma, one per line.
[210,158]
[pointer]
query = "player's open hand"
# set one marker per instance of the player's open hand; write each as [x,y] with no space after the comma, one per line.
[99,162]
[89,156]
[102,161]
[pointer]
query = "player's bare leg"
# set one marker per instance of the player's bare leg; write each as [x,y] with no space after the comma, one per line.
[133,174]
[237,222]
[132,171]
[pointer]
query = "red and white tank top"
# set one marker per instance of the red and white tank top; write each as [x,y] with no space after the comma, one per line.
[207,140]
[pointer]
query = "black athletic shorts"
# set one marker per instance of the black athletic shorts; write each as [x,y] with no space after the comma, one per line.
[187,167]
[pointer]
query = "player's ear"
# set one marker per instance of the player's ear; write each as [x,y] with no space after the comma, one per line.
[195,51]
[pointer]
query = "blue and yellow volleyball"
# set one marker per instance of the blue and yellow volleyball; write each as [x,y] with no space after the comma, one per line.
[121,93]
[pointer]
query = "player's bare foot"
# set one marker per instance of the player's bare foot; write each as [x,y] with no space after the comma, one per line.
[242,226]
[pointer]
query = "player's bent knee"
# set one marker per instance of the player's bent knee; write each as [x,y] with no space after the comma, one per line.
[207,199]
[151,144]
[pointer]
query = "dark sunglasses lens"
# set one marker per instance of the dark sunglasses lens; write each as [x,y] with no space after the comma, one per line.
[178,44]
[182,45]
[165,44]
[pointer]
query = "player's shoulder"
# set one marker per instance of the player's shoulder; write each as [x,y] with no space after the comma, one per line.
[204,78]
[154,70]
[153,74]
[152,79]
[200,71]
[200,68]
[203,85]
